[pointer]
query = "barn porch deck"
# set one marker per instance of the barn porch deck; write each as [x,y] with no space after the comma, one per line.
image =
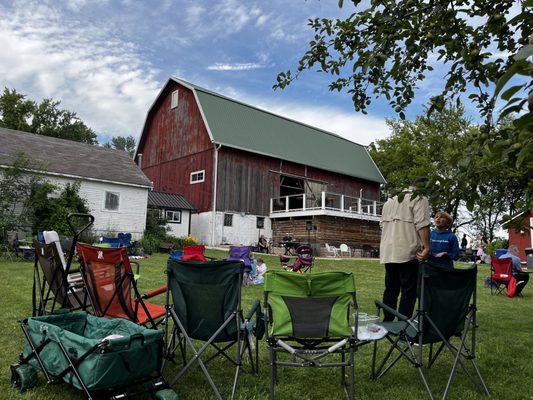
[325,203]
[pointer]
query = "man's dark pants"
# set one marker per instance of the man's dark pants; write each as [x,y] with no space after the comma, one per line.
[400,277]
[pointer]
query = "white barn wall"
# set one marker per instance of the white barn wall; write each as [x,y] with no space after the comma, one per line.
[131,215]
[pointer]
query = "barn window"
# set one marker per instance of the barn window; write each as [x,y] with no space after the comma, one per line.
[228,219]
[197,176]
[174,99]
[173,216]
[112,200]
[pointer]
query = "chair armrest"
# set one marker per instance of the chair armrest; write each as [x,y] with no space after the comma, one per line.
[380,304]
[155,292]
[255,308]
[137,267]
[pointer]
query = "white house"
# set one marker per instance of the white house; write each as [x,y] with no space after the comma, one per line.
[176,209]
[115,188]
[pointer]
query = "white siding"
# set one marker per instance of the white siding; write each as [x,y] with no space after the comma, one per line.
[181,229]
[243,231]
[131,215]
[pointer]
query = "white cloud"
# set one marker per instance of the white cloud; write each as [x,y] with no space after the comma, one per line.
[235,66]
[357,128]
[103,79]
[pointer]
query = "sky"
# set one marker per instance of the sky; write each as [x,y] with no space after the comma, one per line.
[107,60]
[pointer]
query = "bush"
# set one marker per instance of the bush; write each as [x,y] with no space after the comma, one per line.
[491,248]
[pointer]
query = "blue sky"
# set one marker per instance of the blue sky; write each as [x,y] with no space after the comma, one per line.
[107,60]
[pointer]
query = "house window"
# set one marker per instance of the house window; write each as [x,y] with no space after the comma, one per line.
[174,99]
[228,219]
[197,176]
[173,216]
[260,223]
[112,201]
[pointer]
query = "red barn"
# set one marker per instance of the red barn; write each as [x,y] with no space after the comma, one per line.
[249,172]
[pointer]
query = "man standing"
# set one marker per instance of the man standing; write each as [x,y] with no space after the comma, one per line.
[522,277]
[404,242]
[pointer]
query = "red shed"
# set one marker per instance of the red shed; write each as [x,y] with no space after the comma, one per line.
[522,237]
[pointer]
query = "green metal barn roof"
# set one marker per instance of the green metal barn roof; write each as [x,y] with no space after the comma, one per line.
[238,125]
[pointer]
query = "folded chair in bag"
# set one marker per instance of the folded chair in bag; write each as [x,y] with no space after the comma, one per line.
[204,304]
[112,288]
[309,323]
[501,274]
[446,319]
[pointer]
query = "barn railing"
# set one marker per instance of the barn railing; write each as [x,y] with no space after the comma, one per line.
[325,203]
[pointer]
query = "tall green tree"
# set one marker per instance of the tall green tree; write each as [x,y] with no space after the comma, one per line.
[50,205]
[425,147]
[16,184]
[44,118]
[125,143]
[386,48]
[429,146]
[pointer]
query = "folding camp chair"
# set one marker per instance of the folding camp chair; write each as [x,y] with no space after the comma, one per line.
[304,260]
[244,254]
[53,289]
[59,285]
[194,253]
[112,288]
[309,317]
[446,309]
[501,274]
[206,307]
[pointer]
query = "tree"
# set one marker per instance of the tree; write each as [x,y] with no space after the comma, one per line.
[44,118]
[16,183]
[387,49]
[51,204]
[425,147]
[125,143]
[430,146]
[15,111]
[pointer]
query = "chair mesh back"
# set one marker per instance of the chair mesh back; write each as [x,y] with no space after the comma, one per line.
[204,295]
[109,278]
[502,266]
[193,252]
[310,306]
[447,295]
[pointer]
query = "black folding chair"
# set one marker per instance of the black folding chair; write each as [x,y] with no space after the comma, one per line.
[446,310]
[206,311]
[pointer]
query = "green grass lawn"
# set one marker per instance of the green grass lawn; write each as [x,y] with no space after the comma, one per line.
[504,345]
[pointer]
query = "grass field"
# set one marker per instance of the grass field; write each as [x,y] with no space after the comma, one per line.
[504,348]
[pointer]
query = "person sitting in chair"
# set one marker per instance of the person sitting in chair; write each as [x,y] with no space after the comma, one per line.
[263,244]
[521,277]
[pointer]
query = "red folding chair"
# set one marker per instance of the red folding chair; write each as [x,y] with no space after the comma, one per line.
[193,253]
[112,288]
[501,274]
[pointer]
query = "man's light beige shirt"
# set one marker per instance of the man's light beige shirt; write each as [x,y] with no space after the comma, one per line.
[400,223]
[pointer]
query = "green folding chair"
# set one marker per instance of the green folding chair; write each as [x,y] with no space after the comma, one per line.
[445,320]
[310,323]
[204,304]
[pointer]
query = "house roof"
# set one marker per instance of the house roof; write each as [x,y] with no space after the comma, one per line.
[245,127]
[168,201]
[72,159]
